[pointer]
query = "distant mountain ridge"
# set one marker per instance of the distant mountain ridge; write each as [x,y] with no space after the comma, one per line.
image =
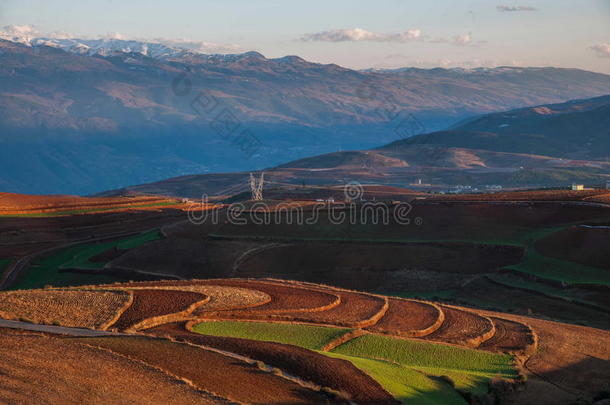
[578,129]
[445,160]
[81,121]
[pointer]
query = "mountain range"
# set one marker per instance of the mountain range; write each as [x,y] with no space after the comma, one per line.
[81,116]
[500,150]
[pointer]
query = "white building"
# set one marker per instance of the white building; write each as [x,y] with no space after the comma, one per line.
[578,187]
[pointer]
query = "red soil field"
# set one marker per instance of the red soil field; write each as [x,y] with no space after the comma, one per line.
[340,375]
[409,318]
[510,336]
[284,298]
[293,302]
[210,371]
[602,198]
[11,204]
[355,310]
[150,303]
[462,327]
[47,369]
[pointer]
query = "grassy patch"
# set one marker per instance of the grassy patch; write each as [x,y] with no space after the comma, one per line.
[81,259]
[310,337]
[424,354]
[560,270]
[407,385]
[49,270]
[469,369]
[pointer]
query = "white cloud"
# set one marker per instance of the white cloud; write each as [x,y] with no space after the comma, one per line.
[199,46]
[358,34]
[462,39]
[602,50]
[18,32]
[505,8]
[401,60]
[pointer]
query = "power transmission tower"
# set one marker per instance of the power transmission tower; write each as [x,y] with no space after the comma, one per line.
[256,187]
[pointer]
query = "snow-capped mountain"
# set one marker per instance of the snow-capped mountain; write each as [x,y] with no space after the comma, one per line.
[103,47]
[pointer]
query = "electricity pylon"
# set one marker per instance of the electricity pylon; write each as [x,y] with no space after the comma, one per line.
[256,187]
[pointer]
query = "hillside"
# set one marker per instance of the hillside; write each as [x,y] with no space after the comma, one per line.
[89,121]
[578,129]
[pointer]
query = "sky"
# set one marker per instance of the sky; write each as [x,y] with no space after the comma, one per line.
[355,34]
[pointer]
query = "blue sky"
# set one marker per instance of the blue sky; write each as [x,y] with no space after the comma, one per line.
[392,33]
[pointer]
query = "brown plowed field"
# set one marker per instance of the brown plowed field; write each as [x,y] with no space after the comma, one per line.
[283,298]
[461,327]
[337,374]
[20,204]
[355,310]
[151,303]
[409,318]
[210,371]
[221,297]
[51,370]
[76,308]
[510,336]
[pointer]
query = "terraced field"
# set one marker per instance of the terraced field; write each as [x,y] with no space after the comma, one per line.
[326,322]
[312,343]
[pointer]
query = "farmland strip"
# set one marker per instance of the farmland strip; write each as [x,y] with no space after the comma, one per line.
[510,336]
[211,371]
[410,318]
[337,374]
[154,303]
[463,328]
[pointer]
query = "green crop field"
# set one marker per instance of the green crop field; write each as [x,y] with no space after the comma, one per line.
[408,369]
[406,384]
[470,369]
[560,270]
[51,270]
[310,337]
